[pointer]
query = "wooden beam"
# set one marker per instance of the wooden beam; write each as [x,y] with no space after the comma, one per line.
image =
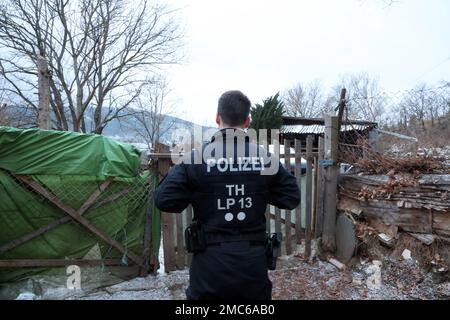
[112,198]
[32,263]
[89,202]
[80,219]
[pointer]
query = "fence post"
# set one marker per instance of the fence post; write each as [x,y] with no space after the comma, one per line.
[167,222]
[341,108]
[308,195]
[298,176]
[331,172]
[287,213]
[148,239]
[320,187]
[276,151]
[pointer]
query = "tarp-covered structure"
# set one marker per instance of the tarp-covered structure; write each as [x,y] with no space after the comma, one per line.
[74,168]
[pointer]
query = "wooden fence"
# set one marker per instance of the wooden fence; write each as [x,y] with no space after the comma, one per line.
[298,226]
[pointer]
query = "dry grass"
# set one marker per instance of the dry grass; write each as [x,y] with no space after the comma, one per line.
[374,162]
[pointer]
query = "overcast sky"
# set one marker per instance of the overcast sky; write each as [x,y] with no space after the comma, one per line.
[264,46]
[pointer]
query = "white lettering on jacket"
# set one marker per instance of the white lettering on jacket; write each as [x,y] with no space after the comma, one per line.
[242,164]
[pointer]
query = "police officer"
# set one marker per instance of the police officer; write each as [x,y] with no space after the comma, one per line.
[229,182]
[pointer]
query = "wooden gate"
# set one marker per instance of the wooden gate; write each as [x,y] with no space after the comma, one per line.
[299,226]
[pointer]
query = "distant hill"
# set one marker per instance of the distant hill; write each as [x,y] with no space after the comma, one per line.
[123,130]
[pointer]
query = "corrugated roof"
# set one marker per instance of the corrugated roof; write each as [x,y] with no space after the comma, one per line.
[319,129]
[320,121]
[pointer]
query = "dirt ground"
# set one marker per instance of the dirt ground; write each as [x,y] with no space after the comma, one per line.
[317,280]
[296,278]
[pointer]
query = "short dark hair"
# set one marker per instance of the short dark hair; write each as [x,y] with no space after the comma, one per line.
[234,107]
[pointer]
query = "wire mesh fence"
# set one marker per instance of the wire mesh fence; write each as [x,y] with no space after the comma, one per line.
[412,132]
[379,152]
[37,223]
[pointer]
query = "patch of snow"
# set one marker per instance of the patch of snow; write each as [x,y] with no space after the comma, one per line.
[162,269]
[27,296]
[406,254]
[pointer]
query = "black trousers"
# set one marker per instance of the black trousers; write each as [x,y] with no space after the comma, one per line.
[231,271]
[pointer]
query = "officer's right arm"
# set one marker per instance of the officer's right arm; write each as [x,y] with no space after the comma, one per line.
[284,192]
[173,193]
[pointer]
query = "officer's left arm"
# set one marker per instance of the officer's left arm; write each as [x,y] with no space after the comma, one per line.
[173,193]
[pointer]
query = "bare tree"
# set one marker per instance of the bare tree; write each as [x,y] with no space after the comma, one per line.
[443,98]
[154,113]
[366,100]
[305,100]
[98,53]
[422,104]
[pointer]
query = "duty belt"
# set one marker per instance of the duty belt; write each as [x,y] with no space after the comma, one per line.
[217,238]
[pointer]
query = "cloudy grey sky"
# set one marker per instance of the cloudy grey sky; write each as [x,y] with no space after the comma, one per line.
[265,46]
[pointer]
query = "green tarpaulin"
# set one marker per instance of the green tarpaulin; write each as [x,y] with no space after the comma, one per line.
[49,152]
[71,166]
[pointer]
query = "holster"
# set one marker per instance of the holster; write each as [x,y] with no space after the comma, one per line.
[272,247]
[194,238]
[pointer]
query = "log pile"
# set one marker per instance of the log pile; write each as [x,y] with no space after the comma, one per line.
[415,204]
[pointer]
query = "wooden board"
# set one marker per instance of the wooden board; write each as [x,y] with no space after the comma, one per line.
[146,255]
[277,220]
[315,191]
[441,223]
[421,208]
[308,195]
[189,216]
[267,215]
[287,213]
[320,195]
[277,211]
[32,263]
[168,243]
[298,175]
[180,241]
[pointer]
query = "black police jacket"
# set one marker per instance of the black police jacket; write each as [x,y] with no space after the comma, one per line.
[229,182]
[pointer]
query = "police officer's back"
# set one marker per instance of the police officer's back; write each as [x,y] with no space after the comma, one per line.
[229,182]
